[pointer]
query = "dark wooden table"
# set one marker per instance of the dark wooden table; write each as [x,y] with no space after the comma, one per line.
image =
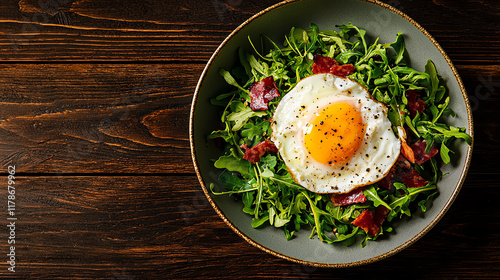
[94,104]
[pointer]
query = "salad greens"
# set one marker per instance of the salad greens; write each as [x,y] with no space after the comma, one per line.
[267,190]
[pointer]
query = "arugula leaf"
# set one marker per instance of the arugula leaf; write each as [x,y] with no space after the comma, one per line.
[212,186]
[275,219]
[244,62]
[257,222]
[269,161]
[444,153]
[233,164]
[372,195]
[230,80]
[430,69]
[454,132]
[399,47]
[255,131]
[423,202]
[242,114]
[348,239]
[317,213]
[248,199]
[360,33]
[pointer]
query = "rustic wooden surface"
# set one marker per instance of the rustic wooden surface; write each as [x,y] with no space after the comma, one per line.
[94,104]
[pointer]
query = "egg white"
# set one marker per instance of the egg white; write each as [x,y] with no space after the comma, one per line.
[370,163]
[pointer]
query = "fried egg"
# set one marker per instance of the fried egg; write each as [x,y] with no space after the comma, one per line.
[333,136]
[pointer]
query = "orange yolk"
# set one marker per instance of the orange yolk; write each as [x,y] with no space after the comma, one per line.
[334,134]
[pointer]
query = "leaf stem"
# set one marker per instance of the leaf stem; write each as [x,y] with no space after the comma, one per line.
[259,195]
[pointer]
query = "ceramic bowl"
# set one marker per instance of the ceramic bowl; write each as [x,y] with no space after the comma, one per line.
[379,20]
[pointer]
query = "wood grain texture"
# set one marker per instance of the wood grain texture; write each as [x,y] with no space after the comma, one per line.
[130,30]
[190,31]
[96,118]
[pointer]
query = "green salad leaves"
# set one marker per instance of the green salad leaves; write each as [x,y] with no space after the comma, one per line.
[267,190]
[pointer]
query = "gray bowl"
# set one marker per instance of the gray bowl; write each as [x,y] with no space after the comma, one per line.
[380,20]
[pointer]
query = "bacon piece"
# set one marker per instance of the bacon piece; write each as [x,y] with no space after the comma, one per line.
[324,64]
[387,181]
[343,70]
[402,171]
[262,92]
[380,214]
[366,221]
[355,196]
[419,151]
[254,154]
[372,222]
[415,104]
[412,179]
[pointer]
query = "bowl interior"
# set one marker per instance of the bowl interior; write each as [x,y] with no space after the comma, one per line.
[275,22]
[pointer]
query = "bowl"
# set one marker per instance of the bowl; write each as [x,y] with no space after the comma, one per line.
[379,20]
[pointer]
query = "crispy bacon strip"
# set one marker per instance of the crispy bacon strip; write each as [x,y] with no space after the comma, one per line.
[415,104]
[355,196]
[343,70]
[402,171]
[254,154]
[324,64]
[262,92]
[412,179]
[372,222]
[419,151]
[388,180]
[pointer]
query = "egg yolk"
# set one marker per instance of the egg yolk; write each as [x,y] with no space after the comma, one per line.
[334,134]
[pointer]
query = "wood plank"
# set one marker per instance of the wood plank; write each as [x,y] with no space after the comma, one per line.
[82,30]
[157,227]
[85,118]
[157,30]
[96,118]
[451,22]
